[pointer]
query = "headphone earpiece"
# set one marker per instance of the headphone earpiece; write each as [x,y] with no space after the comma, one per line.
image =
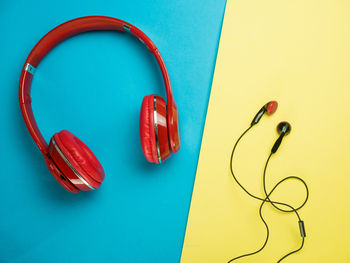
[283,128]
[269,108]
[75,162]
[154,129]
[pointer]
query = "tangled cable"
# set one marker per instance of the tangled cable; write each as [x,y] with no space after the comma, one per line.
[287,208]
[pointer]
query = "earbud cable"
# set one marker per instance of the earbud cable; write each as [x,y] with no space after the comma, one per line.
[273,203]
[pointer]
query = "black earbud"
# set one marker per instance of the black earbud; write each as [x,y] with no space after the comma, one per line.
[283,128]
[269,108]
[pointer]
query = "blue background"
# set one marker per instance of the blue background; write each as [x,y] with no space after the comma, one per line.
[93,85]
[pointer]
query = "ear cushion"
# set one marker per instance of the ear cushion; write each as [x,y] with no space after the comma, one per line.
[147,133]
[80,157]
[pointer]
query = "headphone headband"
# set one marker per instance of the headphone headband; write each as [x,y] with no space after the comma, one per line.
[59,34]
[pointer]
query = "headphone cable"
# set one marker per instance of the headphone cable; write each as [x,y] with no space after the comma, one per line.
[273,203]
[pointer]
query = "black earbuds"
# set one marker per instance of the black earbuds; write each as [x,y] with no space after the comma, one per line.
[283,128]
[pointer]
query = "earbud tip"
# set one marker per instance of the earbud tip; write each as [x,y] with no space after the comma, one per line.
[284,127]
[271,107]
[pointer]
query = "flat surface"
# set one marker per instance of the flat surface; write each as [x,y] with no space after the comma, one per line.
[296,52]
[93,85]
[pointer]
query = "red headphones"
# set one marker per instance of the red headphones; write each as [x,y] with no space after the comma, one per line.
[70,161]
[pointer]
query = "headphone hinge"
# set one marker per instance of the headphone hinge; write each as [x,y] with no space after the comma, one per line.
[29,68]
[126,28]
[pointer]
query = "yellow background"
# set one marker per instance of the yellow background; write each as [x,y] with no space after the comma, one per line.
[297,52]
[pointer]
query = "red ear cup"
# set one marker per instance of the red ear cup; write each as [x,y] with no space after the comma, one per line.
[147,132]
[76,161]
[153,129]
[271,107]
